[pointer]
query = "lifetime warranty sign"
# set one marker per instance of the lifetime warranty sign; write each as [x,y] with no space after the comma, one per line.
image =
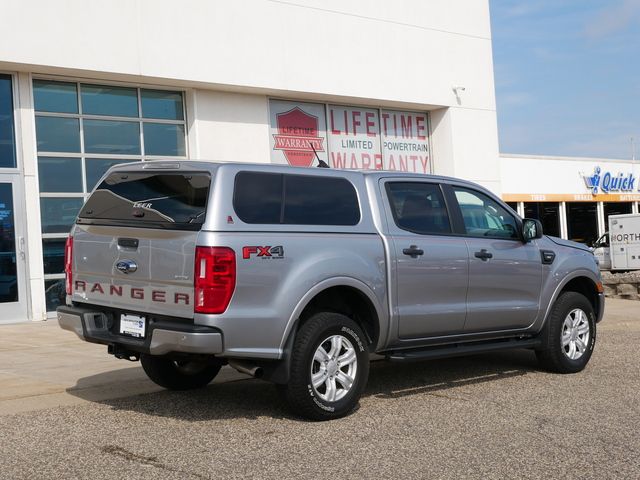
[349,137]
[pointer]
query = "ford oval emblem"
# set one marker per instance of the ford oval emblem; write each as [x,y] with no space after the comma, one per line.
[126,266]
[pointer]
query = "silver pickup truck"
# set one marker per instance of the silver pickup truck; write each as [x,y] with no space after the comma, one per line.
[298,275]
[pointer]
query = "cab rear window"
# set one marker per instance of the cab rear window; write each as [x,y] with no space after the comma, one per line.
[149,199]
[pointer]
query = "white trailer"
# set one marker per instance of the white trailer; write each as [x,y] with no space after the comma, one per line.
[619,249]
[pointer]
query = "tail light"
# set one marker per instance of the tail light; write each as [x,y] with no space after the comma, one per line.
[214,279]
[68,261]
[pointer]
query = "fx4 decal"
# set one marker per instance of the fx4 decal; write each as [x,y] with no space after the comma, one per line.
[263,252]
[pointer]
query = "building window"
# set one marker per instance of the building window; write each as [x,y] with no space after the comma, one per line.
[582,222]
[7,132]
[81,130]
[548,213]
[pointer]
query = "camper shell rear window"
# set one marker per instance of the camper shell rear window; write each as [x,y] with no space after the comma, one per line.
[176,201]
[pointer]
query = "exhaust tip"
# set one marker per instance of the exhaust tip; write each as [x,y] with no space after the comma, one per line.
[247,368]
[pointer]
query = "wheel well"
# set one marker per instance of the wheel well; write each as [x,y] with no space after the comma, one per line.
[350,302]
[586,287]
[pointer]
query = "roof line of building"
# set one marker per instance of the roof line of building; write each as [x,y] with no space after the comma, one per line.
[574,159]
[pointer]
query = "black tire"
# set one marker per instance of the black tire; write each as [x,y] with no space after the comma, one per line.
[179,374]
[552,355]
[303,398]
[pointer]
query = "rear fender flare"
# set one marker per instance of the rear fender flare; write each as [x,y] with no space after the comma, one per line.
[336,282]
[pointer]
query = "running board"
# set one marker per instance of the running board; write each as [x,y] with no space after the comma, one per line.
[460,349]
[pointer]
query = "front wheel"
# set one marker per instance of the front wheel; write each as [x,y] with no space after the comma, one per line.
[329,367]
[569,335]
[179,373]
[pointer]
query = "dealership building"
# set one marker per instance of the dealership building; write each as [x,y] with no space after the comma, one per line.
[368,84]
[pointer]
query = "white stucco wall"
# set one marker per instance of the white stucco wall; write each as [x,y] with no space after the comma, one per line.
[403,54]
[559,176]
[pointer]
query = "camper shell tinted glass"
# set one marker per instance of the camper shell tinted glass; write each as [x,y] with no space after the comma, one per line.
[275,198]
[150,200]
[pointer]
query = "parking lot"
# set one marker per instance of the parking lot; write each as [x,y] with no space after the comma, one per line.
[69,411]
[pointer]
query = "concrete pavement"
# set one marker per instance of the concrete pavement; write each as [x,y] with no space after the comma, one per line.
[86,415]
[43,366]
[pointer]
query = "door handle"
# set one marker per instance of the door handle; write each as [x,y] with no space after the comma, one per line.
[413,251]
[483,255]
[21,247]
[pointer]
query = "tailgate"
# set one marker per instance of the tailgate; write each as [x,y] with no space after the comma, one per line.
[160,267]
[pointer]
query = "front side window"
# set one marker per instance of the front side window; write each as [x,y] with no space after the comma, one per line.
[484,217]
[418,207]
[82,129]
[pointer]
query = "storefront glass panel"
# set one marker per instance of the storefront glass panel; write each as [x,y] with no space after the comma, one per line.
[60,174]
[59,97]
[54,293]
[7,132]
[8,255]
[111,137]
[548,213]
[582,222]
[53,249]
[108,100]
[162,104]
[163,139]
[58,214]
[58,134]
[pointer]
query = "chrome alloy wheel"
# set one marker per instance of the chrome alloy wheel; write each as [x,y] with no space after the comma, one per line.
[334,368]
[575,334]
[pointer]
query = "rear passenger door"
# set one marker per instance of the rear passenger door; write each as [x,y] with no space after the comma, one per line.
[505,274]
[431,264]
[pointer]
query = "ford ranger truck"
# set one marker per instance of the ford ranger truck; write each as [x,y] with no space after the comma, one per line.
[298,275]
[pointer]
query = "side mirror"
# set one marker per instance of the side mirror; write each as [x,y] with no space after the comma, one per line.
[531,229]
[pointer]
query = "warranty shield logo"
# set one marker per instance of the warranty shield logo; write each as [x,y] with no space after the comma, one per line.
[298,137]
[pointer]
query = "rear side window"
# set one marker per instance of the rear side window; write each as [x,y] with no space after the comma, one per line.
[418,207]
[149,199]
[274,198]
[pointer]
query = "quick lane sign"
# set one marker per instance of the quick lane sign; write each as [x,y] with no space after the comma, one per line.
[606,182]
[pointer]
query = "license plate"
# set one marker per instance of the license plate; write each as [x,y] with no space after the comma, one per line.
[132,325]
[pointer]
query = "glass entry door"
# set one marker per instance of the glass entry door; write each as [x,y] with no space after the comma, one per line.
[13,302]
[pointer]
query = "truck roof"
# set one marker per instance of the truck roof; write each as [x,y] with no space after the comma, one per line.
[212,166]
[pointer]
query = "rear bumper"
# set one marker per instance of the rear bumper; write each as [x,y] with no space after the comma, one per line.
[161,337]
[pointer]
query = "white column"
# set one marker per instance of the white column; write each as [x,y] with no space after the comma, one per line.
[563,220]
[602,227]
[27,148]
[634,207]
[521,209]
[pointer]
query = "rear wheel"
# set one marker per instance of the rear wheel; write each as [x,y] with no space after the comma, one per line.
[179,373]
[569,335]
[329,367]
